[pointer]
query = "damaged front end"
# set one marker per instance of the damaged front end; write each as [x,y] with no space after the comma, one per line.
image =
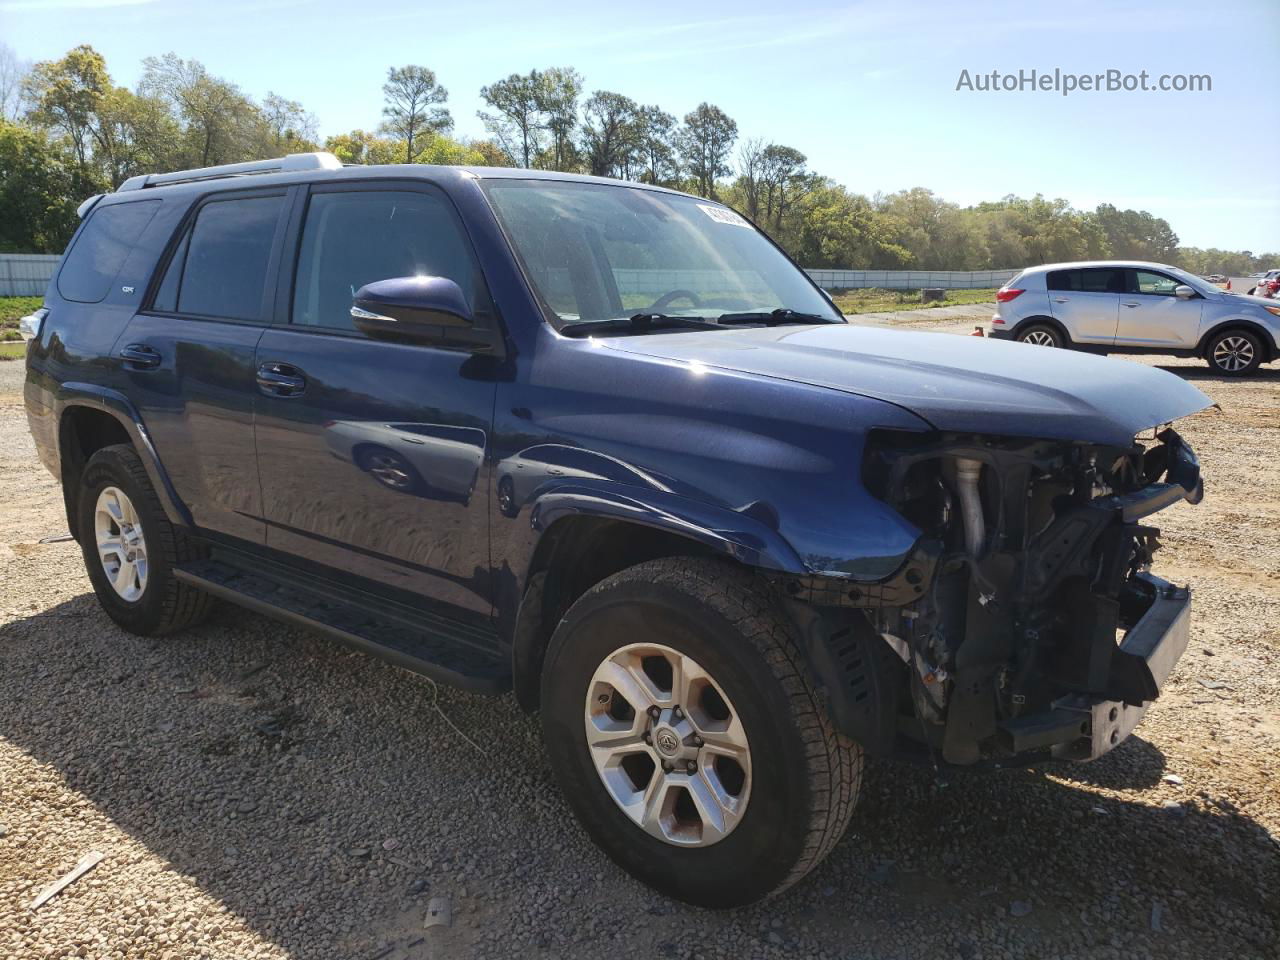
[1026,623]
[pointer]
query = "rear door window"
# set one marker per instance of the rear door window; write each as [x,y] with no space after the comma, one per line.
[101,249]
[219,268]
[1102,280]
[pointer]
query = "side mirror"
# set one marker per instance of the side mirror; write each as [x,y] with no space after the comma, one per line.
[420,310]
[1183,292]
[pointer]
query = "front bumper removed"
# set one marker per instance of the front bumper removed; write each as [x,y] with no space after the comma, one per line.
[1083,727]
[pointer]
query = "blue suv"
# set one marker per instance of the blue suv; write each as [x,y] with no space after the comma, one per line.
[605,444]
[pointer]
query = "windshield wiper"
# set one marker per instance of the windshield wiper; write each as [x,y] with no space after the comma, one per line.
[639,323]
[774,317]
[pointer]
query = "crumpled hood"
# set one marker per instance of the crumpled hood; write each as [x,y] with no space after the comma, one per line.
[965,384]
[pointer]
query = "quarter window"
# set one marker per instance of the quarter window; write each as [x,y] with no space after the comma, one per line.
[351,239]
[102,248]
[219,268]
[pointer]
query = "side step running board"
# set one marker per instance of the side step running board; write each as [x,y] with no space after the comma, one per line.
[447,650]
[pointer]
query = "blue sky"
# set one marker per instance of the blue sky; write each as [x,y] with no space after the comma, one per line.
[867,90]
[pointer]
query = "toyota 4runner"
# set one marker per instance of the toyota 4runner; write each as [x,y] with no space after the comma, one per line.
[606,445]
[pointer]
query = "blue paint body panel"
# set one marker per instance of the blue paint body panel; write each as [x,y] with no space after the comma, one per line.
[436,473]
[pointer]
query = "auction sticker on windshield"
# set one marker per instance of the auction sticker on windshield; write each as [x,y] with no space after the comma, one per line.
[721,215]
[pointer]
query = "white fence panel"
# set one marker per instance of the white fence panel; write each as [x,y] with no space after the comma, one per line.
[25,274]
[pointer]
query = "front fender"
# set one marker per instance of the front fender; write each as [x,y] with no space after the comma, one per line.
[732,533]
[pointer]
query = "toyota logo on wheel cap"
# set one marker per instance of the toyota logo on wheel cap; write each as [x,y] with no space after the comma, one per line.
[667,741]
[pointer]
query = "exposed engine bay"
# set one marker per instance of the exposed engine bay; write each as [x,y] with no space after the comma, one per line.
[1026,623]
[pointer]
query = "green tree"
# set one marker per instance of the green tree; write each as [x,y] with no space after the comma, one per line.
[517,123]
[13,71]
[39,192]
[610,134]
[557,101]
[656,130]
[64,96]
[221,124]
[705,140]
[412,107]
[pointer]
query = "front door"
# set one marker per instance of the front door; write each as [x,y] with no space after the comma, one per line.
[1087,302]
[1152,315]
[372,454]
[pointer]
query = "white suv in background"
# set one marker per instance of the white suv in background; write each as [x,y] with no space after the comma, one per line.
[1133,307]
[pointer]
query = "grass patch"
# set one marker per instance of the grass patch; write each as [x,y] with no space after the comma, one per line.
[875,300]
[11,350]
[13,309]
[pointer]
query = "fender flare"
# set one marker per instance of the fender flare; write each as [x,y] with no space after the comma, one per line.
[1043,321]
[76,394]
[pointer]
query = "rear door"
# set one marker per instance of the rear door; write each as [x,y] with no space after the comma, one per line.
[189,355]
[1151,315]
[373,463]
[1087,302]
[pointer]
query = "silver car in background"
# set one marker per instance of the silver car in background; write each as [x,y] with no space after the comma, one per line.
[1135,307]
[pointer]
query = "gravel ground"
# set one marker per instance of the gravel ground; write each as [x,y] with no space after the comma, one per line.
[260,792]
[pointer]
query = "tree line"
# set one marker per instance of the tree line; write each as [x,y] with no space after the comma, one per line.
[68,131]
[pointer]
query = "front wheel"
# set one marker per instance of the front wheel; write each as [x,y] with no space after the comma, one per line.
[1234,353]
[686,732]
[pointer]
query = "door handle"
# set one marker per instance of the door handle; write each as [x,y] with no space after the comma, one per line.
[1061,299]
[140,356]
[1130,303]
[277,379]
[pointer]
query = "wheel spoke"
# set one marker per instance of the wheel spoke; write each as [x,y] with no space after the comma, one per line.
[124,578]
[638,692]
[728,742]
[653,801]
[712,811]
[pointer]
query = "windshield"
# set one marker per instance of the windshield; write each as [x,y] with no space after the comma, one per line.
[597,252]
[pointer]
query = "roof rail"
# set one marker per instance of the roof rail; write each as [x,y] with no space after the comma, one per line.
[293,162]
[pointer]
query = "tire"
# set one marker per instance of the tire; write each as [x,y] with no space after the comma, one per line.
[154,602]
[1040,335]
[1233,353]
[801,778]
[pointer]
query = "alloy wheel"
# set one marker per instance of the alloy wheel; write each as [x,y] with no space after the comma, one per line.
[1233,354]
[1040,338]
[122,548]
[668,744]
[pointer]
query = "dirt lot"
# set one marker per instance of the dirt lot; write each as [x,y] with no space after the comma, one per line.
[260,792]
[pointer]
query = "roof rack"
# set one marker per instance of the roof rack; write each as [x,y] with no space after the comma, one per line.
[290,164]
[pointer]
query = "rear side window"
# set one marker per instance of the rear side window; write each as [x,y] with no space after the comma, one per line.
[1093,280]
[103,245]
[219,268]
[1063,280]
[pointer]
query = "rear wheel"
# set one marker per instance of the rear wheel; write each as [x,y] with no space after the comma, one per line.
[130,548]
[688,736]
[1040,335]
[1234,353]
